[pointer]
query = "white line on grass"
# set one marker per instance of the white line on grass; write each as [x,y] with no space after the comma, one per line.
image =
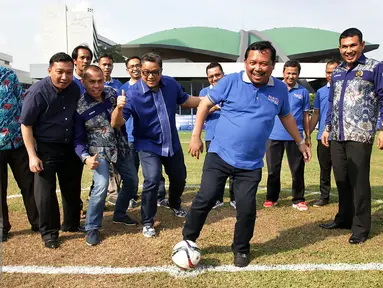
[174,271]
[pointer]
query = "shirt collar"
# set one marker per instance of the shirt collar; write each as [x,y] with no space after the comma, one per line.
[296,86]
[246,79]
[110,82]
[328,85]
[362,60]
[76,75]
[145,87]
[89,99]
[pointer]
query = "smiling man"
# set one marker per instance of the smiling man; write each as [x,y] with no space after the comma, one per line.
[280,140]
[98,145]
[251,100]
[355,102]
[47,128]
[152,103]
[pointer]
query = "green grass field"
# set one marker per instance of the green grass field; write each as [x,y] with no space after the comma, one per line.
[282,236]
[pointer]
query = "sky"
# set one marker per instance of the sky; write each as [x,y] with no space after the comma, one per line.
[126,20]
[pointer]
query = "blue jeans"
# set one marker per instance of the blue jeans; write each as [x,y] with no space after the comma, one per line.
[151,164]
[126,169]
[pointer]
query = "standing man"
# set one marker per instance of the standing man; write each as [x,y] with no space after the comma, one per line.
[280,140]
[323,152]
[356,99]
[133,67]
[13,152]
[152,102]
[98,150]
[82,57]
[47,128]
[251,100]
[214,73]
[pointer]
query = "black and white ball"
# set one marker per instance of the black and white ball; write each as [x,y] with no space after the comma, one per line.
[186,254]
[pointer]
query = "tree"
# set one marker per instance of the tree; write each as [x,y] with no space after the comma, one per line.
[115,51]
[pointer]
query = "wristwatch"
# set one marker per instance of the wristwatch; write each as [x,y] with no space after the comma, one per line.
[302,142]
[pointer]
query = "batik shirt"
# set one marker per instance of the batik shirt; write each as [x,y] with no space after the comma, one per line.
[93,132]
[355,100]
[11,100]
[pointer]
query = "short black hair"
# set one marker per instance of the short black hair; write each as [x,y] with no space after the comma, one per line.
[82,46]
[351,32]
[105,55]
[213,65]
[152,57]
[333,61]
[131,58]
[60,57]
[261,46]
[292,63]
[90,67]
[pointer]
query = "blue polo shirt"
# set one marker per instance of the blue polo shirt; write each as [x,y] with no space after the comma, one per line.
[299,100]
[129,123]
[113,83]
[154,116]
[321,104]
[211,119]
[247,118]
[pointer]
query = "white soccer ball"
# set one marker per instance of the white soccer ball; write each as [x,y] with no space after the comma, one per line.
[186,254]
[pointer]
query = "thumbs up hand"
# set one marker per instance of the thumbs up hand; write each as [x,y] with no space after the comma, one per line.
[121,100]
[92,162]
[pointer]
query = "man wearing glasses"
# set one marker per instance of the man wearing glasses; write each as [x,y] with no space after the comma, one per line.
[133,67]
[152,102]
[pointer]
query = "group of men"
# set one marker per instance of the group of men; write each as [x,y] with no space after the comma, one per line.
[76,117]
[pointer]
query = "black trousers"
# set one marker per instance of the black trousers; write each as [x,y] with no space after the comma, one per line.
[58,159]
[351,164]
[324,158]
[231,180]
[214,176]
[19,163]
[274,156]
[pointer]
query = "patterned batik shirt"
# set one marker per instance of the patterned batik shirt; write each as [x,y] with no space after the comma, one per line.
[11,100]
[355,101]
[93,132]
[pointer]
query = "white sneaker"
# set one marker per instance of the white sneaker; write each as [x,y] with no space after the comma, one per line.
[148,231]
[217,204]
[301,206]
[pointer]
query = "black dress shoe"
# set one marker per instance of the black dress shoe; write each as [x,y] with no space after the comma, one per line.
[35,228]
[354,239]
[78,229]
[241,259]
[334,225]
[4,237]
[52,243]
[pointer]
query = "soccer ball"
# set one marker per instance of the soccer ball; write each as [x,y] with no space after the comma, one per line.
[186,254]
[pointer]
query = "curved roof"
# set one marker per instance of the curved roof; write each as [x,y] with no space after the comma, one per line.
[297,41]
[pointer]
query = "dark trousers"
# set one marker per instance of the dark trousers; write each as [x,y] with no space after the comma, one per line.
[152,170]
[136,159]
[214,176]
[351,164]
[19,162]
[324,158]
[274,156]
[231,180]
[58,159]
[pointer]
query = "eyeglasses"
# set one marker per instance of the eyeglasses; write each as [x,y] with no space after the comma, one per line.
[134,66]
[211,77]
[146,73]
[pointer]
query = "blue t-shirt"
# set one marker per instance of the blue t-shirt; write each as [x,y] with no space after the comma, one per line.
[211,119]
[247,118]
[321,104]
[79,84]
[299,100]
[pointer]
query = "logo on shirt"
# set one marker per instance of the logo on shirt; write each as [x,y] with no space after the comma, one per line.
[336,75]
[359,74]
[273,99]
[299,96]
